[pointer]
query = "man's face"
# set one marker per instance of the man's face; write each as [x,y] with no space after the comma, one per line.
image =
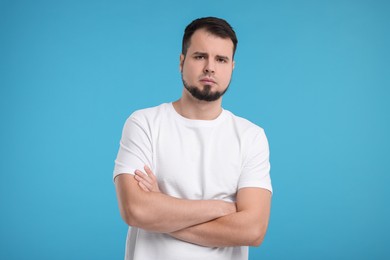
[208,65]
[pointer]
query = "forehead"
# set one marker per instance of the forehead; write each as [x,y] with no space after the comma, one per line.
[204,41]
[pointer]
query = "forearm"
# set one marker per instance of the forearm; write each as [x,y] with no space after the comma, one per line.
[246,227]
[161,213]
[237,229]
[158,212]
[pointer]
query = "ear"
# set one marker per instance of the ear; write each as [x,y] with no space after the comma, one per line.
[233,64]
[182,58]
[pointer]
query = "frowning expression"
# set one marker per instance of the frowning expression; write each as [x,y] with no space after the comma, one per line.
[208,64]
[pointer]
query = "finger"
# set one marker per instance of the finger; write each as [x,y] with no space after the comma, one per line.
[149,172]
[143,176]
[143,187]
[145,183]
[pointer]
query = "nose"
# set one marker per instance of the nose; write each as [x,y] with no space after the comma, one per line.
[209,67]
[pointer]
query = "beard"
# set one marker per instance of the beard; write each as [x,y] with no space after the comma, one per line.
[204,94]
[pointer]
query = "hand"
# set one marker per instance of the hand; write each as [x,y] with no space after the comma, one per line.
[147,182]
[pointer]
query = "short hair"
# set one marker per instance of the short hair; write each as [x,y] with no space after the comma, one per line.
[216,26]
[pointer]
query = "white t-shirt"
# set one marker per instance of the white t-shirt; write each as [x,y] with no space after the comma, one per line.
[192,159]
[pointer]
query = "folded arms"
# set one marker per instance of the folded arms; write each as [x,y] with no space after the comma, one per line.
[211,223]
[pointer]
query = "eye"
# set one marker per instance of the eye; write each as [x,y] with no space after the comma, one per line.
[199,57]
[221,60]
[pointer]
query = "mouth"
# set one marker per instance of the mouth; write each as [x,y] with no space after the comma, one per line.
[207,81]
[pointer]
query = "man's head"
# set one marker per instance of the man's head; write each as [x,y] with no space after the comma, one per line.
[206,62]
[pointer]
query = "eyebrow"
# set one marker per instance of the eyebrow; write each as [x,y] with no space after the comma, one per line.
[206,54]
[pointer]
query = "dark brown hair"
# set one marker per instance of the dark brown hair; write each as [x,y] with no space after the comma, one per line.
[213,25]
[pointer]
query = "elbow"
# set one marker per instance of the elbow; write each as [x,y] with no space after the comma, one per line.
[257,241]
[132,216]
[127,217]
[138,216]
[257,236]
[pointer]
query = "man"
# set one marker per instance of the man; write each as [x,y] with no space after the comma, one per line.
[192,179]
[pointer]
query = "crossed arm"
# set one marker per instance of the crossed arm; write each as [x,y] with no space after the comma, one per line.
[211,223]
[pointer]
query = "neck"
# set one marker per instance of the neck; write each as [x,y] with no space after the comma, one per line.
[191,108]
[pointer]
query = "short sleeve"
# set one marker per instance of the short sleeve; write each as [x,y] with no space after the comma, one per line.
[135,150]
[256,166]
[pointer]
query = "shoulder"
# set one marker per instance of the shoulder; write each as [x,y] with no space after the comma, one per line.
[150,115]
[244,126]
[253,139]
[145,119]
[150,112]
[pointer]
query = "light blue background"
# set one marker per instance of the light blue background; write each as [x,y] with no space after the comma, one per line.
[313,74]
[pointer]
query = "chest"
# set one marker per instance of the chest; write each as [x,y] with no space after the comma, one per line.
[197,163]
